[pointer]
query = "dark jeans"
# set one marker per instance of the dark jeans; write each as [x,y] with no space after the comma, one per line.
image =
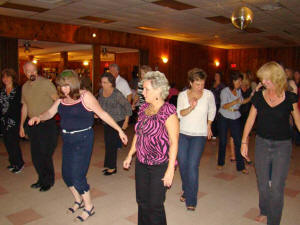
[214,125]
[190,150]
[11,142]
[43,141]
[236,133]
[77,151]
[150,193]
[272,156]
[112,143]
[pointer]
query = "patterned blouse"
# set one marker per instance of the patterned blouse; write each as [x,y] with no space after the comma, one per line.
[152,142]
[10,108]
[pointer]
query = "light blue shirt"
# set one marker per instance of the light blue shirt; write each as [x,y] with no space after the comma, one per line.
[227,97]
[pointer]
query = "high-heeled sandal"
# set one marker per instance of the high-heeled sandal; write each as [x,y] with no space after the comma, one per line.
[89,212]
[80,206]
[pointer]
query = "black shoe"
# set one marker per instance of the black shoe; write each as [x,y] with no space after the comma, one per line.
[107,173]
[36,185]
[103,171]
[18,169]
[45,188]
[10,167]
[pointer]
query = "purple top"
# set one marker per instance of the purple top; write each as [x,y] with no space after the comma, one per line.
[152,144]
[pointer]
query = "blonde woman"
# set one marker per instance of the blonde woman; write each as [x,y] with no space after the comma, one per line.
[271,108]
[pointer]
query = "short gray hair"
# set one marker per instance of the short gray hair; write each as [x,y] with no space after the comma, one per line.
[114,65]
[158,80]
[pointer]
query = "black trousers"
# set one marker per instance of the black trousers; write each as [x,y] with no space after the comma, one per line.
[11,142]
[43,141]
[150,193]
[112,143]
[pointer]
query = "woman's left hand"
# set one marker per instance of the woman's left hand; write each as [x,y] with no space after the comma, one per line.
[168,178]
[209,132]
[123,137]
[125,125]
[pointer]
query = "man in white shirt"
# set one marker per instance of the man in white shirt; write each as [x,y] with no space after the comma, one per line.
[121,83]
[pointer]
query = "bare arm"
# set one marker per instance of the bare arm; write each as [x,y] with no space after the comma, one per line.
[91,102]
[132,151]
[45,115]
[129,98]
[135,100]
[172,125]
[23,118]
[247,129]
[296,115]
[230,104]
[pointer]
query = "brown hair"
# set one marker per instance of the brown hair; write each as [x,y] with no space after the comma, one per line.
[10,73]
[196,74]
[68,78]
[111,79]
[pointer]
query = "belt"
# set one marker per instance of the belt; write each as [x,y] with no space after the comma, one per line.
[75,131]
[232,110]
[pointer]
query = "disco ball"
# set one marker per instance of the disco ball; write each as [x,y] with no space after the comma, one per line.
[242,17]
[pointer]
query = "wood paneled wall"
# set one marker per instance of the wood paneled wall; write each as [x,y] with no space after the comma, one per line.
[126,62]
[182,56]
[253,59]
[9,54]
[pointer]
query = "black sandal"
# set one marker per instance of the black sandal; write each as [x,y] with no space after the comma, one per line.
[80,206]
[191,208]
[89,212]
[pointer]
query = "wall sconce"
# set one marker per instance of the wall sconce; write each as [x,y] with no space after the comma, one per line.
[34,61]
[217,63]
[164,59]
[85,63]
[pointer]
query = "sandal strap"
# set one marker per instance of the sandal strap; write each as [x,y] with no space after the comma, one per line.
[89,212]
[78,203]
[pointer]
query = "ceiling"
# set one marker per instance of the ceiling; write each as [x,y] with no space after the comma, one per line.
[276,22]
[44,51]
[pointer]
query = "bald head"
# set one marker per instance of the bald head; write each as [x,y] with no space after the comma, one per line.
[30,71]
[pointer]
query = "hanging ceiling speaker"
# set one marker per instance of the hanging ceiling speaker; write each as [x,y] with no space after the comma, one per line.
[27,46]
[242,17]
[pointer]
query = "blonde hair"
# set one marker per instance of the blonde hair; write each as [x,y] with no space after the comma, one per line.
[68,78]
[274,72]
[158,80]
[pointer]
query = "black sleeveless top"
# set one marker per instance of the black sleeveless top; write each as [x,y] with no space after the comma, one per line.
[75,116]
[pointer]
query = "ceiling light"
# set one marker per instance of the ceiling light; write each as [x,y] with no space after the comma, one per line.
[34,61]
[148,28]
[94,35]
[85,63]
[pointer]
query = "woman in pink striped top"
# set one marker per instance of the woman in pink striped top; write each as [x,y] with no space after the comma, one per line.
[155,144]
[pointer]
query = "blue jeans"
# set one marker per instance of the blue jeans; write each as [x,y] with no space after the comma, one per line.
[190,150]
[236,133]
[272,157]
[77,151]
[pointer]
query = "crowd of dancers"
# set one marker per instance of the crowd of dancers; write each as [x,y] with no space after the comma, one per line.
[166,134]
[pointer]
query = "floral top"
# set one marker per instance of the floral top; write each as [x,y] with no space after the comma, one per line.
[10,108]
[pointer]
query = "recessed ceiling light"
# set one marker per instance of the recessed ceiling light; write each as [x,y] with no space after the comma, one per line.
[148,28]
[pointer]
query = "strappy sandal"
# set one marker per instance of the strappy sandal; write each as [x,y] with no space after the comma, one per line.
[182,199]
[89,212]
[80,206]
